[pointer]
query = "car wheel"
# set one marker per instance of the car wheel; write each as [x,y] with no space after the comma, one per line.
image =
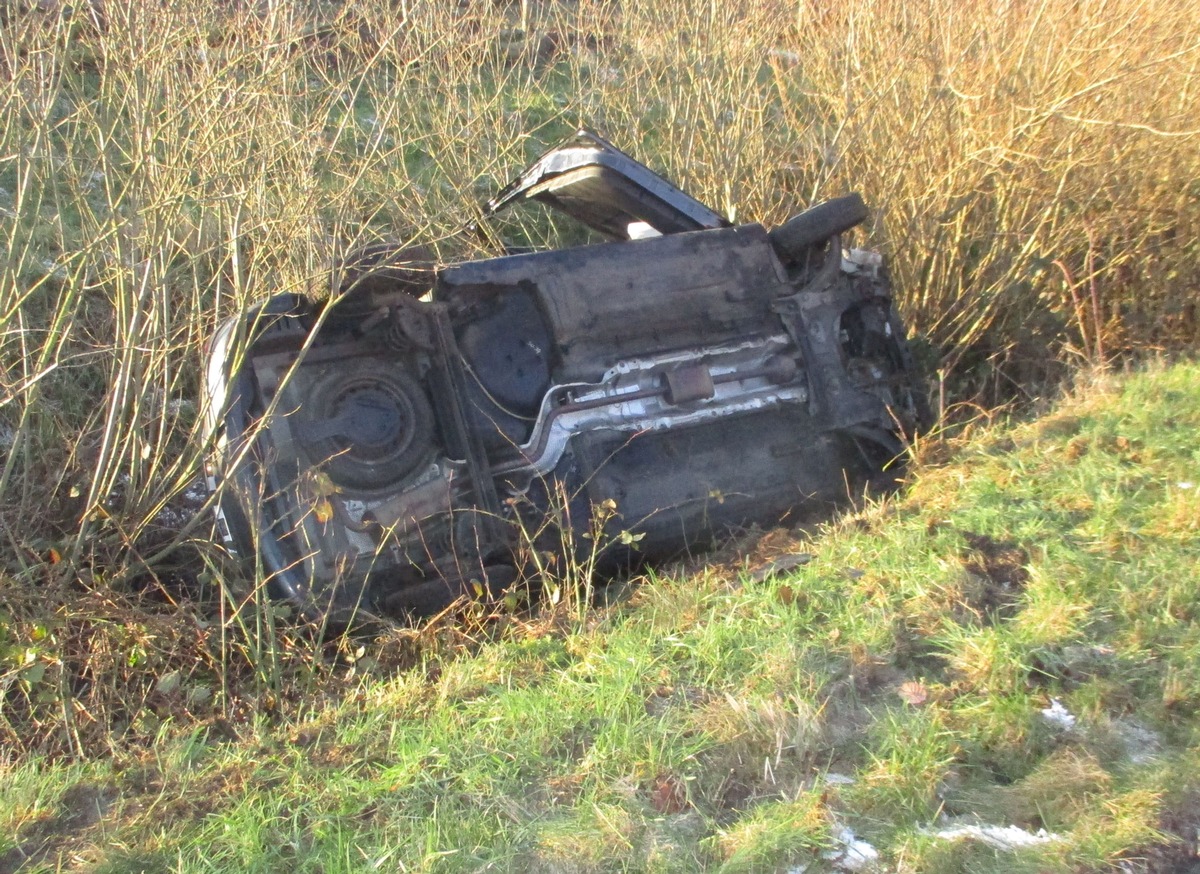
[797,235]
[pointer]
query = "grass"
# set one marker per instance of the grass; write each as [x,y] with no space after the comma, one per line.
[1032,169]
[892,685]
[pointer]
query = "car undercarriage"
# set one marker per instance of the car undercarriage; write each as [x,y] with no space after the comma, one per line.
[422,433]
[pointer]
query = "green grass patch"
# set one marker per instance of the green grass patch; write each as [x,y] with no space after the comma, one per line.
[901,684]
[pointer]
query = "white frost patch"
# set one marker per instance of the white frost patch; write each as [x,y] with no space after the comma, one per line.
[1000,837]
[838,779]
[1058,715]
[53,269]
[609,75]
[1141,743]
[196,493]
[92,181]
[182,508]
[854,855]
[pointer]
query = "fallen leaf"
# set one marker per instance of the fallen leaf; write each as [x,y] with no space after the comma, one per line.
[323,485]
[914,692]
[323,510]
[168,683]
[781,565]
[668,795]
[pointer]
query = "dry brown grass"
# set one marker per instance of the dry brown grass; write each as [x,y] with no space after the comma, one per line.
[1032,168]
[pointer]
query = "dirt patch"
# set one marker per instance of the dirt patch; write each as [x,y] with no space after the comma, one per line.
[81,807]
[1181,855]
[996,575]
[665,698]
[733,796]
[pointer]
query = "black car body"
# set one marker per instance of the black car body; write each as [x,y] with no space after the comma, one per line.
[409,440]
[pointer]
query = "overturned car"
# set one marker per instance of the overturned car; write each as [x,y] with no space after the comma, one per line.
[428,429]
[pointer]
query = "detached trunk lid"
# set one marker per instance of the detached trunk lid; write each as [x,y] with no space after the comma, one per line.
[597,184]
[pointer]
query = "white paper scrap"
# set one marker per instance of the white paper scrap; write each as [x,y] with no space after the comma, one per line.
[854,855]
[1000,837]
[1058,715]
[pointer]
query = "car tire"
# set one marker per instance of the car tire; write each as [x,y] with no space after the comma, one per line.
[795,237]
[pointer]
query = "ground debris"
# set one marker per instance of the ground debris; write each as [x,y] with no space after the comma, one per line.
[1006,838]
[853,854]
[1058,715]
[781,565]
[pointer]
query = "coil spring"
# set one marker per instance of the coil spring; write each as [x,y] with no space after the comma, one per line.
[394,336]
